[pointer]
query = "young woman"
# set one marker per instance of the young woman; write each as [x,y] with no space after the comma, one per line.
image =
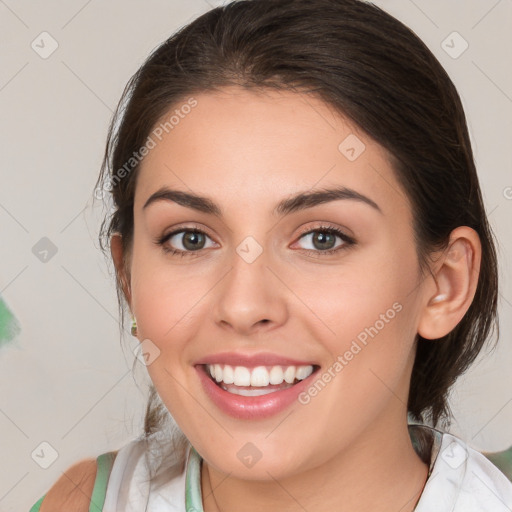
[299,233]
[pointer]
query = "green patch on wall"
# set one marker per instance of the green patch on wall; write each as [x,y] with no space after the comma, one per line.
[9,325]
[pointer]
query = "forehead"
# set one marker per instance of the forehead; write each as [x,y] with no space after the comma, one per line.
[256,147]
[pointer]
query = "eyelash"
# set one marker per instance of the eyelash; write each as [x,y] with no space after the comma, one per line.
[348,241]
[178,252]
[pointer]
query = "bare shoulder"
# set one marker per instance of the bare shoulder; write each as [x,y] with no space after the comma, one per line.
[73,490]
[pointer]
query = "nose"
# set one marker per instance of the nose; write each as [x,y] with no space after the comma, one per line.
[250,298]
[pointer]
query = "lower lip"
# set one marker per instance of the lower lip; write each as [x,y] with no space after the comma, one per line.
[251,407]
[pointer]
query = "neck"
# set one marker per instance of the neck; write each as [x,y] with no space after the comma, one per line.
[379,471]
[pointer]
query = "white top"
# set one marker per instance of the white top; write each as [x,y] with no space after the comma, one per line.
[461,480]
[129,489]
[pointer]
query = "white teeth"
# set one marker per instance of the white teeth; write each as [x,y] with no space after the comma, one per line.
[228,375]
[260,376]
[289,374]
[248,392]
[276,375]
[303,372]
[242,376]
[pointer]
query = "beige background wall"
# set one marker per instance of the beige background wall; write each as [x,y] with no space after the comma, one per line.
[66,381]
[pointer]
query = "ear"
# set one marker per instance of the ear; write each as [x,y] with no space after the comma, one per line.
[456,278]
[116,250]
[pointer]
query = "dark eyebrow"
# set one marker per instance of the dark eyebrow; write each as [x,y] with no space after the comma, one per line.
[202,204]
[309,199]
[295,203]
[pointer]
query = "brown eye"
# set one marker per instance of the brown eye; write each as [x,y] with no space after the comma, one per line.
[185,241]
[322,240]
[192,240]
[326,240]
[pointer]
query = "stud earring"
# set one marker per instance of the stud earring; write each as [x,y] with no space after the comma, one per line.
[134,327]
[439,298]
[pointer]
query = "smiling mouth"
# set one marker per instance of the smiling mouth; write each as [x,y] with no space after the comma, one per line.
[257,381]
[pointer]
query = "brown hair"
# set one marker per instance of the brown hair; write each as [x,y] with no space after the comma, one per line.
[372,69]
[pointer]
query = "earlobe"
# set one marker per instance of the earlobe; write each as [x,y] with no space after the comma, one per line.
[116,250]
[456,279]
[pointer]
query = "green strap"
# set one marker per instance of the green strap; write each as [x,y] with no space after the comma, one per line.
[37,506]
[502,460]
[193,498]
[104,464]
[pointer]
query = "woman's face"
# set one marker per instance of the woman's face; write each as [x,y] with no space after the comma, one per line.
[268,283]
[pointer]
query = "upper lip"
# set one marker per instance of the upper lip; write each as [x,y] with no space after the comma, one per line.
[251,360]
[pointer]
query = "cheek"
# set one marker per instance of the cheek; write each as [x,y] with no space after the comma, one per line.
[362,294]
[165,298]
[171,306]
[368,315]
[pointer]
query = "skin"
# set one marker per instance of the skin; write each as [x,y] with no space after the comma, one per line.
[247,151]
